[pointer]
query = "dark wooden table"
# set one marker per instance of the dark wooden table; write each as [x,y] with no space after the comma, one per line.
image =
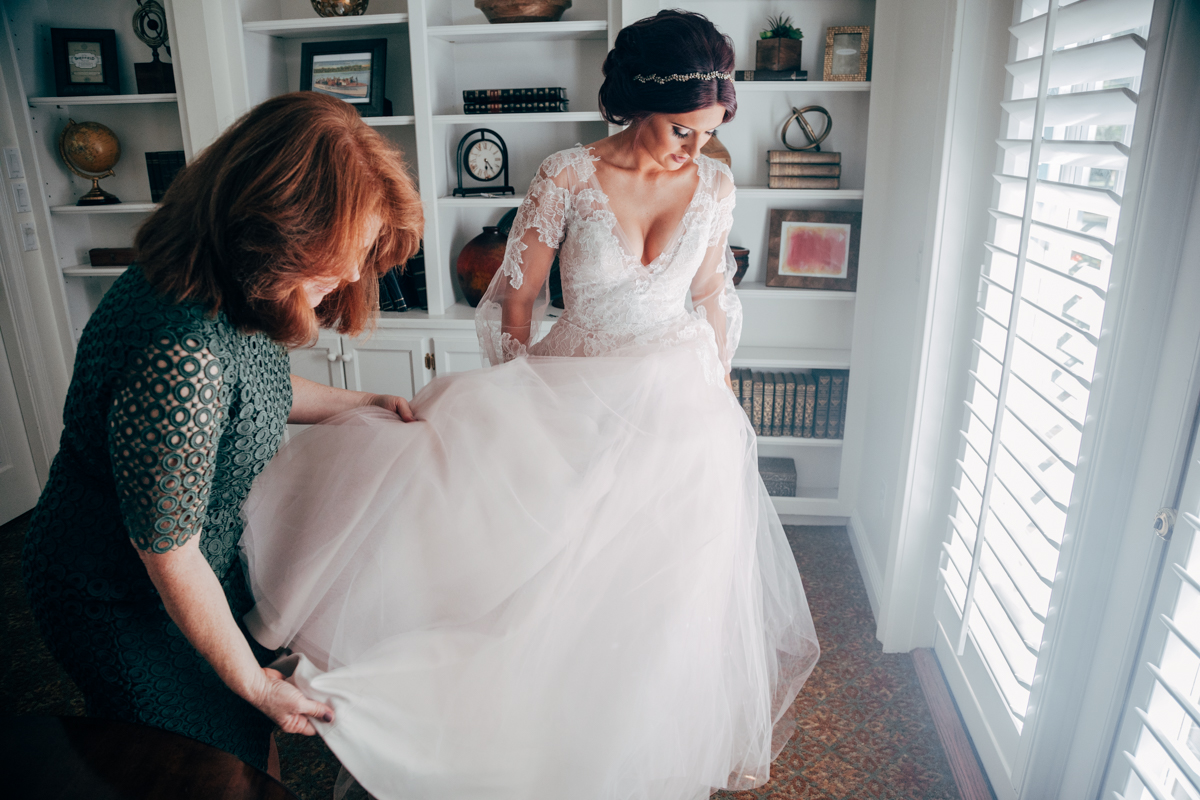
[64,758]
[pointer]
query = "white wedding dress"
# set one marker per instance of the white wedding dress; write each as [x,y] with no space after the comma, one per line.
[566,581]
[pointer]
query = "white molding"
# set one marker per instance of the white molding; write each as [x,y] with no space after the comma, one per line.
[866,565]
[313,26]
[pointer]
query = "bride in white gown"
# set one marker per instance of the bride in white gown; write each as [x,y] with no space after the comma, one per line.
[566,580]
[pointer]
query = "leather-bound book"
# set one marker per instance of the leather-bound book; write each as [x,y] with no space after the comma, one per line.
[756,416]
[780,404]
[810,404]
[789,404]
[821,415]
[747,397]
[735,382]
[837,383]
[768,403]
[845,402]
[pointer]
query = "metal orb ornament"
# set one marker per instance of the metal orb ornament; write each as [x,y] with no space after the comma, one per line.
[814,141]
[90,150]
[340,8]
[150,25]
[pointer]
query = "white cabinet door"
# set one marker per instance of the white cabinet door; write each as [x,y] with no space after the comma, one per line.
[18,481]
[322,362]
[456,354]
[388,362]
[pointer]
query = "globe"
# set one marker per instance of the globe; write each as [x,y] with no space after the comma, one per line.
[90,150]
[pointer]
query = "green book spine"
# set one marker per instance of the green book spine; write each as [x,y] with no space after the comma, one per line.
[747,399]
[845,402]
[756,417]
[735,383]
[821,417]
[789,404]
[780,403]
[837,383]
[768,402]
[810,404]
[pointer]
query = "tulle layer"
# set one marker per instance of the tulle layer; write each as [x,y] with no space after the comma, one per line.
[565,581]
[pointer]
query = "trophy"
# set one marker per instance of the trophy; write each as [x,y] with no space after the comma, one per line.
[150,25]
[90,150]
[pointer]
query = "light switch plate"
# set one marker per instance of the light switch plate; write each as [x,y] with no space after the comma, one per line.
[12,163]
[21,195]
[29,235]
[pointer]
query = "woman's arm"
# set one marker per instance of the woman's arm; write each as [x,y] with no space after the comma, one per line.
[516,305]
[314,402]
[196,603]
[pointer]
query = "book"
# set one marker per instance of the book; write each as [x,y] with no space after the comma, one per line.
[162,167]
[514,95]
[515,108]
[821,412]
[735,383]
[770,75]
[845,402]
[756,418]
[789,404]
[412,281]
[837,380]
[805,170]
[768,403]
[810,405]
[803,157]
[780,404]
[783,182]
[778,475]
[391,298]
[747,394]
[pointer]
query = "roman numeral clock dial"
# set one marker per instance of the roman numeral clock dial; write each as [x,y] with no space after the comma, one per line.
[484,157]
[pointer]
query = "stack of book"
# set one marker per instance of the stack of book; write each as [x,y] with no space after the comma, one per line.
[161,168]
[811,405]
[404,290]
[770,75]
[514,101]
[803,169]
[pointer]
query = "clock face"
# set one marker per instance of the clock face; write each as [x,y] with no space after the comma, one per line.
[484,160]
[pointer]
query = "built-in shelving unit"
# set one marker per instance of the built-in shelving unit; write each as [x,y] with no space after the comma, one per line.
[104,100]
[118,208]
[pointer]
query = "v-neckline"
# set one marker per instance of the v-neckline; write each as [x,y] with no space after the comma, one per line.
[619,231]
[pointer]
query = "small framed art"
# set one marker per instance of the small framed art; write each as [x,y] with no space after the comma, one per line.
[846,51]
[85,62]
[352,71]
[814,249]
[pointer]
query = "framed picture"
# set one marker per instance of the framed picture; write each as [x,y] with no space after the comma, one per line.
[352,71]
[814,249]
[85,62]
[846,49]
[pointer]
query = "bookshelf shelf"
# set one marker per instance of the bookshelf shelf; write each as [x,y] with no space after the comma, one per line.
[499,201]
[814,502]
[119,208]
[104,100]
[390,122]
[763,193]
[521,32]
[760,291]
[84,271]
[775,358]
[798,440]
[803,86]
[298,28]
[499,119]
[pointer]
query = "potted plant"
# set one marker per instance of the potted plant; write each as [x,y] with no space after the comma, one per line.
[779,45]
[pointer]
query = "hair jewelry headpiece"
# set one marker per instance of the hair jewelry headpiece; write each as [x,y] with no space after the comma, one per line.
[689,76]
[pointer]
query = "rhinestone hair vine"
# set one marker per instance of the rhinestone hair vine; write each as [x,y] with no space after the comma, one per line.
[688,76]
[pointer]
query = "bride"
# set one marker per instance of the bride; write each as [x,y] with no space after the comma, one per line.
[566,580]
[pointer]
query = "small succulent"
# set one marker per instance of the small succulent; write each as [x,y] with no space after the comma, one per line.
[780,27]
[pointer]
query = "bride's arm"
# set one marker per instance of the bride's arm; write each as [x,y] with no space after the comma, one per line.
[713,295]
[517,305]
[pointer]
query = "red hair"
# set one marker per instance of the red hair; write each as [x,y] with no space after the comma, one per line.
[291,191]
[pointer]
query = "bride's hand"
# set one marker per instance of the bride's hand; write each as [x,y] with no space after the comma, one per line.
[397,405]
[287,706]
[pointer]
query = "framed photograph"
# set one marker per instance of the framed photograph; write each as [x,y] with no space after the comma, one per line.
[814,249]
[846,49]
[352,71]
[85,62]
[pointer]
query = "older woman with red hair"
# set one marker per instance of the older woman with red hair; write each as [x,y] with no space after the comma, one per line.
[180,395]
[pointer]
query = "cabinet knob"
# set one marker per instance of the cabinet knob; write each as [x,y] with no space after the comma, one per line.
[331,356]
[348,358]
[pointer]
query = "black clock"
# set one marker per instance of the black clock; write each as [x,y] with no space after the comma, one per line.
[483,154]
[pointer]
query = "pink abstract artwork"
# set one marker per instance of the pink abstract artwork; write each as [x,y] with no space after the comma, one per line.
[816,249]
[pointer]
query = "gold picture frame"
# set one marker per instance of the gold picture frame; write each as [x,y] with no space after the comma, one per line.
[838,64]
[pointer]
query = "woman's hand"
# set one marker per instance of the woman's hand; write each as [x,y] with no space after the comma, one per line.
[286,705]
[390,402]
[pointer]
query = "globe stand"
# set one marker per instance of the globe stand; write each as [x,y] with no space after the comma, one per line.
[97,196]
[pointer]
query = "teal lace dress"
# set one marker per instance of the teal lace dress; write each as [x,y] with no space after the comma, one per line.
[170,415]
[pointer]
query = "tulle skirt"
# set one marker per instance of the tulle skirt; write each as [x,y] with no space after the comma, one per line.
[566,580]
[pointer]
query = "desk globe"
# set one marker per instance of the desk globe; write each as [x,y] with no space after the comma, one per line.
[90,150]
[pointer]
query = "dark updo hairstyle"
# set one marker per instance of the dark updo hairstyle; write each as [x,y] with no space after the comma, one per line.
[669,43]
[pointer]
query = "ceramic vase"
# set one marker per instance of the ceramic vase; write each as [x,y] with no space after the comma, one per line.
[478,262]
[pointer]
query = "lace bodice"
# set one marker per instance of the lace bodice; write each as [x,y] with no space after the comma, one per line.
[614,302]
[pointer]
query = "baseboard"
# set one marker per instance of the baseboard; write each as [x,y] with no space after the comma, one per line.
[964,762]
[809,519]
[866,565]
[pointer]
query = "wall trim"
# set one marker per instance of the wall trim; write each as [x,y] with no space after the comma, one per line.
[872,579]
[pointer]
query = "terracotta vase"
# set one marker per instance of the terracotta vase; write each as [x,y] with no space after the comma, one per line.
[502,11]
[741,256]
[716,151]
[478,262]
[340,8]
[779,55]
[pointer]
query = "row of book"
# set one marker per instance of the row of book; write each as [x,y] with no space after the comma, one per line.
[514,101]
[803,169]
[770,75]
[810,405]
[404,290]
[514,108]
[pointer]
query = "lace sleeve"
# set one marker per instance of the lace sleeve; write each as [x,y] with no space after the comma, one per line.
[164,424]
[713,296]
[506,320]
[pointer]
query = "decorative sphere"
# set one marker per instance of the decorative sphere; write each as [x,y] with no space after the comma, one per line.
[90,147]
[340,8]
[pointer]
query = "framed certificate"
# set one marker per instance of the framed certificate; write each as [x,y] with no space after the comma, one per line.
[85,62]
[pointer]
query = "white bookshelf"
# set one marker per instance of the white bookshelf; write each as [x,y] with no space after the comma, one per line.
[105,100]
[118,208]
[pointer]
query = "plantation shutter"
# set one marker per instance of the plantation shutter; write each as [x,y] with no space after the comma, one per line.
[1072,91]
